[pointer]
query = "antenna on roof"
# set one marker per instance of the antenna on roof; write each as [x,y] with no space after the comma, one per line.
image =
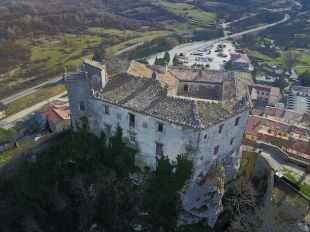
[65,69]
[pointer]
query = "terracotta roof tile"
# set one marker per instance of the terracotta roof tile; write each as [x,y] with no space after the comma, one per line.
[253,126]
[240,58]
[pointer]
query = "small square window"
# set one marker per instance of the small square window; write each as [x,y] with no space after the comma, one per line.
[263,93]
[220,128]
[266,99]
[106,109]
[82,105]
[231,141]
[160,127]
[216,150]
[132,120]
[159,149]
[267,94]
[237,121]
[185,87]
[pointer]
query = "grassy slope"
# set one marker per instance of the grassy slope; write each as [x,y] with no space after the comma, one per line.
[34,98]
[188,10]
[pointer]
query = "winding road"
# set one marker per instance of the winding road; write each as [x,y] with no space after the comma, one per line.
[194,46]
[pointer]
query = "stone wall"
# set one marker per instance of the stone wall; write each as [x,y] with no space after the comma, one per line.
[175,139]
[203,196]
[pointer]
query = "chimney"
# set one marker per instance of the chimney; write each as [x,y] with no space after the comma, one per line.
[65,77]
[154,75]
[86,75]
[202,72]
[166,90]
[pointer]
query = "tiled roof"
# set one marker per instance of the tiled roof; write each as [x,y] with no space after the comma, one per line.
[257,112]
[94,64]
[263,88]
[306,117]
[240,58]
[275,112]
[149,97]
[56,113]
[301,88]
[293,115]
[283,127]
[207,76]
[252,126]
[271,123]
[2,107]
[274,91]
[114,67]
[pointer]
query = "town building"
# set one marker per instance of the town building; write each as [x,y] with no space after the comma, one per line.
[265,80]
[266,93]
[200,112]
[55,117]
[300,90]
[240,61]
[293,137]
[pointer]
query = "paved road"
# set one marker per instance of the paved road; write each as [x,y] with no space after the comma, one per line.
[194,46]
[30,90]
[294,74]
[9,122]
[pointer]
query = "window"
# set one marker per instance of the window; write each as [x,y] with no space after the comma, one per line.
[185,87]
[132,138]
[231,141]
[82,105]
[220,128]
[132,120]
[216,150]
[258,92]
[261,98]
[263,93]
[237,121]
[205,137]
[159,149]
[160,127]
[267,94]
[266,99]
[108,130]
[106,109]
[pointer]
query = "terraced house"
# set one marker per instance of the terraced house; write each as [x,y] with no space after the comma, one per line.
[202,112]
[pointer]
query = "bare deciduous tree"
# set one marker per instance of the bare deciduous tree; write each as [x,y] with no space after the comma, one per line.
[241,196]
[273,219]
[290,59]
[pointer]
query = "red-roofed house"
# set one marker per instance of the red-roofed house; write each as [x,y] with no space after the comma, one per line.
[57,117]
[240,61]
[252,128]
[266,93]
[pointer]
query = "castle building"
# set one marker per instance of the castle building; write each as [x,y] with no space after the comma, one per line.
[203,112]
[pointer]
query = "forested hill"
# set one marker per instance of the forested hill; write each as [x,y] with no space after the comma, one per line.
[22,20]
[88,184]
